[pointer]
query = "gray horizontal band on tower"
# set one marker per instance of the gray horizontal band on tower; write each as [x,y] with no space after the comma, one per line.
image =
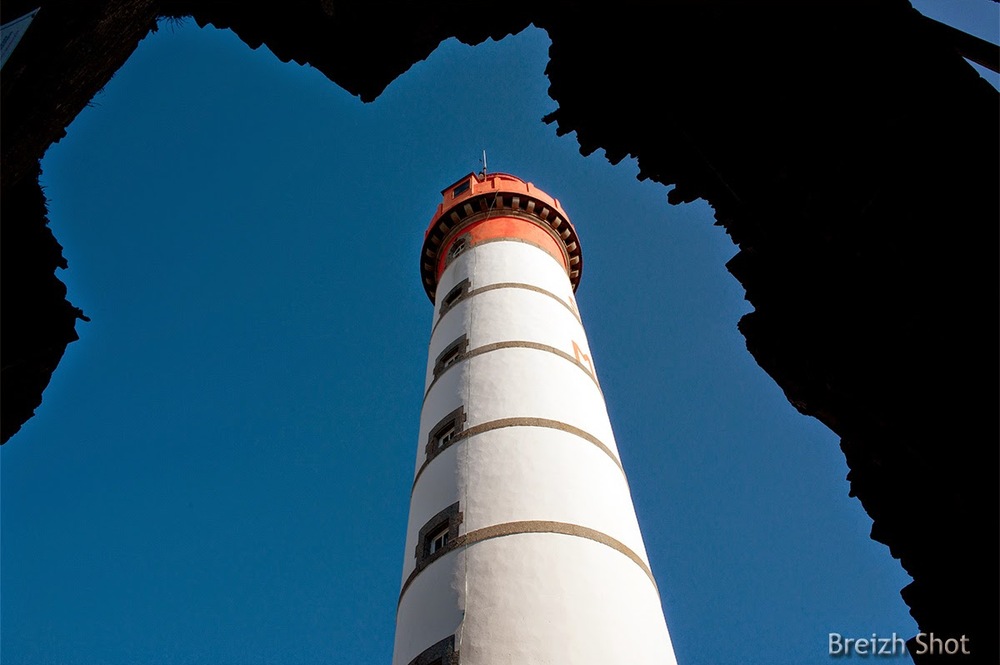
[535,526]
[514,344]
[522,422]
[508,285]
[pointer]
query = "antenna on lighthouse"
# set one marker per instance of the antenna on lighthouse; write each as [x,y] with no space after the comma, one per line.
[482,174]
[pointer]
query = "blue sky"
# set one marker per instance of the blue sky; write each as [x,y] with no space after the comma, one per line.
[220,469]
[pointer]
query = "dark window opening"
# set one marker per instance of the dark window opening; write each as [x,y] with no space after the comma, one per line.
[445,432]
[438,541]
[445,437]
[464,187]
[451,355]
[453,296]
[451,358]
[457,247]
[438,536]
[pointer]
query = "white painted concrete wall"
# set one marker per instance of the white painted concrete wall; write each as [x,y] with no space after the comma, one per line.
[540,598]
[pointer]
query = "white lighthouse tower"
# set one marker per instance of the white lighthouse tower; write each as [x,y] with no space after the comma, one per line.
[522,545]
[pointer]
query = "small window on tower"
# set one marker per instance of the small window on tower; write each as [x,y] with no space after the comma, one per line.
[451,355]
[439,535]
[438,540]
[457,247]
[445,432]
[464,187]
[445,437]
[451,358]
[454,295]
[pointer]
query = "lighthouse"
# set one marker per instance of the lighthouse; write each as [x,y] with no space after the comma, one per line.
[522,544]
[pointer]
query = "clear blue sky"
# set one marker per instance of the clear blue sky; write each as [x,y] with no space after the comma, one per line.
[220,469]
